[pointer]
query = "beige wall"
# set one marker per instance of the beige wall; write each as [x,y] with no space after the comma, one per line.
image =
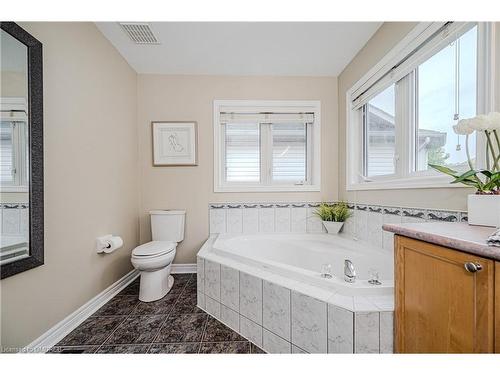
[91,187]
[173,98]
[388,36]
[14,84]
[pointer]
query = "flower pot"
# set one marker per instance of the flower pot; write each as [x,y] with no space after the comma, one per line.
[333,227]
[484,210]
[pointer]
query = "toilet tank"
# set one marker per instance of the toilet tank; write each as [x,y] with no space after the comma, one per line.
[167,225]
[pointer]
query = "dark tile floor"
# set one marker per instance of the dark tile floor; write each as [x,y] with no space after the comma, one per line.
[171,325]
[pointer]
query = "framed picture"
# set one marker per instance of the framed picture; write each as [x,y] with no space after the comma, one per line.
[174,143]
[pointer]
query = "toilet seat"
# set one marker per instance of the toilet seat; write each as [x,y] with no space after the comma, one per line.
[153,249]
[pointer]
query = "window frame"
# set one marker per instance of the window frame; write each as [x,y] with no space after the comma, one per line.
[313,145]
[405,177]
[19,138]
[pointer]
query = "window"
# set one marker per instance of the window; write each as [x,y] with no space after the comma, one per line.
[13,145]
[380,134]
[289,154]
[242,152]
[267,146]
[446,92]
[401,115]
[14,153]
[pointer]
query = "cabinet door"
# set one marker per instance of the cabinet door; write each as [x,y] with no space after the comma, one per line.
[497,307]
[440,306]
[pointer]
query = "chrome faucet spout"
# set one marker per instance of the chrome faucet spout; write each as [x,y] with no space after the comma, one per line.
[349,271]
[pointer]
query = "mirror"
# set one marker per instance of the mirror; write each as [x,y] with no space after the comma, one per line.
[21,142]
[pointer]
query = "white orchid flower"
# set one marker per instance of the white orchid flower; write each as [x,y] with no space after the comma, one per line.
[480,123]
[494,121]
[463,127]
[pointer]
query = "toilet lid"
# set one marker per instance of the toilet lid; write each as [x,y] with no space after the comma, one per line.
[154,248]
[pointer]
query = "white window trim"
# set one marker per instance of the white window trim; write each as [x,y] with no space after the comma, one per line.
[8,104]
[284,106]
[485,103]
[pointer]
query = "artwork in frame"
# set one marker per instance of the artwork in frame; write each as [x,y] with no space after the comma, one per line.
[174,143]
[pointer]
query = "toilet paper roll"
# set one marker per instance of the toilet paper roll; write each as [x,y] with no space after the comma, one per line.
[113,243]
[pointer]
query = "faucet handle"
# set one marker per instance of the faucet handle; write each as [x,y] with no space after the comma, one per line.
[349,271]
[373,277]
[326,271]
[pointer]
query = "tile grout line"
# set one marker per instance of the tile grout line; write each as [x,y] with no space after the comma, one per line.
[170,311]
[125,317]
[121,323]
[203,333]
[148,345]
[113,331]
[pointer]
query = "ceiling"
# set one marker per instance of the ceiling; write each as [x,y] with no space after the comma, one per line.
[244,48]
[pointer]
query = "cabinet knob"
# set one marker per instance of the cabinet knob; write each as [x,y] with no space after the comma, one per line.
[473,267]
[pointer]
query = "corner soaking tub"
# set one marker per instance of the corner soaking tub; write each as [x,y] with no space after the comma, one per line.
[268,287]
[301,257]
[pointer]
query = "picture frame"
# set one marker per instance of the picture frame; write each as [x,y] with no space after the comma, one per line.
[175,143]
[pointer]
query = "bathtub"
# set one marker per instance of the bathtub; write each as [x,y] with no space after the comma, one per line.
[268,287]
[301,257]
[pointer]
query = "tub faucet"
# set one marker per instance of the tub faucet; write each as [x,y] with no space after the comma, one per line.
[349,272]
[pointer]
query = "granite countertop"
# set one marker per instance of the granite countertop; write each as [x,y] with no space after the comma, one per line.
[459,236]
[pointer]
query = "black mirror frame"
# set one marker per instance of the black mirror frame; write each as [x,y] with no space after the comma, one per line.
[35,137]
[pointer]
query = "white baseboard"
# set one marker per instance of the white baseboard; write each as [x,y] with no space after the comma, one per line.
[55,334]
[184,268]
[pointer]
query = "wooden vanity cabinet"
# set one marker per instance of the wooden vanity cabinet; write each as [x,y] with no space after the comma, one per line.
[445,300]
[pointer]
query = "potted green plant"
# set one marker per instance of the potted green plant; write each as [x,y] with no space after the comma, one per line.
[483,206]
[333,216]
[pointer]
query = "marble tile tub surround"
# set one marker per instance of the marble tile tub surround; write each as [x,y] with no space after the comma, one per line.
[280,315]
[298,217]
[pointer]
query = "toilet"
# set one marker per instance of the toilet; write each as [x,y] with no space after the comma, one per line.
[154,259]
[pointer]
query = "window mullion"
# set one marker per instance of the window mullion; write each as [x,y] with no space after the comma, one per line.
[223,159]
[265,154]
[309,153]
[404,126]
[16,144]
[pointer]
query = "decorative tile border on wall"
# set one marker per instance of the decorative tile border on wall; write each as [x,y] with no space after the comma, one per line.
[281,320]
[367,220]
[264,218]
[14,219]
[298,217]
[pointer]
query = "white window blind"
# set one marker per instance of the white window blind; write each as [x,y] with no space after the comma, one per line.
[289,152]
[268,145]
[274,118]
[242,152]
[445,35]
[7,152]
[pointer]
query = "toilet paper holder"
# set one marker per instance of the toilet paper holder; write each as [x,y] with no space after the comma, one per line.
[108,243]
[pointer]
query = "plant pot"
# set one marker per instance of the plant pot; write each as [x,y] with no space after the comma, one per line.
[484,210]
[333,227]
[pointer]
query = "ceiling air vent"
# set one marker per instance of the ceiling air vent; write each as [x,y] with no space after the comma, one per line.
[140,33]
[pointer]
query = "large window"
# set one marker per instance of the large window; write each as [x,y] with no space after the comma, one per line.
[401,118]
[266,146]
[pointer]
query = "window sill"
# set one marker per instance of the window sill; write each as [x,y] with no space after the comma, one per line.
[428,182]
[265,189]
[14,189]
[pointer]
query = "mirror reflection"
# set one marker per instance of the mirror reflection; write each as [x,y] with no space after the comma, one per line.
[14,163]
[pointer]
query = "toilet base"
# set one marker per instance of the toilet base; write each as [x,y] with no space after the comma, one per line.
[155,285]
